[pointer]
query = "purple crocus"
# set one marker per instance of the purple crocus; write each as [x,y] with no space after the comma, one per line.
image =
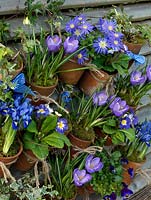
[148,72]
[119,107]
[70,45]
[101,45]
[80,177]
[112,196]
[62,125]
[93,164]
[137,78]
[53,43]
[126,192]
[100,98]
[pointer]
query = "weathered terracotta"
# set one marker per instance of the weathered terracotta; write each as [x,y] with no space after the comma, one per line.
[8,161]
[70,77]
[78,142]
[135,48]
[131,164]
[93,80]
[26,161]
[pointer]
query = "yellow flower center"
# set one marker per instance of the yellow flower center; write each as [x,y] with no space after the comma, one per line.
[41,110]
[102,44]
[77,32]
[79,55]
[115,42]
[72,26]
[85,26]
[123,122]
[80,18]
[116,35]
[110,28]
[60,125]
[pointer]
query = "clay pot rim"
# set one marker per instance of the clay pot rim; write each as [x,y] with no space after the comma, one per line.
[45,87]
[75,137]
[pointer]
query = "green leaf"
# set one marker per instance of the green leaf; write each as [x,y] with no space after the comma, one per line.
[111,122]
[129,133]
[32,127]
[118,137]
[56,140]
[116,155]
[49,124]
[109,129]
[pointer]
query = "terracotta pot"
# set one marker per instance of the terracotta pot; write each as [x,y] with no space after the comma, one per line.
[8,161]
[70,77]
[78,142]
[100,134]
[26,161]
[135,165]
[93,80]
[90,189]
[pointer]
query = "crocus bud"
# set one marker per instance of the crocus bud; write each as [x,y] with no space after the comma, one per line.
[53,43]
[70,45]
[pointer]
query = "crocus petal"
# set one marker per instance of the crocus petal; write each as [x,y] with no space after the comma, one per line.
[86,179]
[148,72]
[70,45]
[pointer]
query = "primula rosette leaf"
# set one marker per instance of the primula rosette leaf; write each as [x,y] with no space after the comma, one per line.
[49,123]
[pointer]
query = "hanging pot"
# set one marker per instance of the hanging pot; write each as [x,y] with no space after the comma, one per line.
[8,161]
[26,161]
[131,164]
[70,77]
[93,80]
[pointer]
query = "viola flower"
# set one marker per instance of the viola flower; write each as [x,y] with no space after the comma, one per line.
[70,45]
[42,110]
[124,161]
[112,196]
[93,164]
[82,56]
[65,97]
[137,78]
[126,192]
[148,72]
[100,98]
[62,125]
[131,172]
[125,123]
[53,43]
[101,45]
[112,169]
[71,26]
[119,107]
[86,27]
[80,177]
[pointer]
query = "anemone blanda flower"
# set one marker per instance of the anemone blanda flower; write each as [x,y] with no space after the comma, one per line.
[62,125]
[137,78]
[118,35]
[81,18]
[93,164]
[100,98]
[82,56]
[108,26]
[148,72]
[80,177]
[70,45]
[112,196]
[53,43]
[71,26]
[101,45]
[115,44]
[78,34]
[86,27]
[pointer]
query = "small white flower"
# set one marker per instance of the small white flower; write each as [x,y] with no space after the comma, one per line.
[58,114]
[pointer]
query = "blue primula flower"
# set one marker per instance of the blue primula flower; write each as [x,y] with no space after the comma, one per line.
[62,125]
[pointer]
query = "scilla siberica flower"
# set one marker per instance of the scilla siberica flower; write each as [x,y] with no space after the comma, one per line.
[93,164]
[148,72]
[62,125]
[137,78]
[100,98]
[65,97]
[112,196]
[70,45]
[80,177]
[119,107]
[53,43]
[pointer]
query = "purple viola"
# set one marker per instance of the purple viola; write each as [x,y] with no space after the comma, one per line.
[100,98]
[80,177]
[53,43]
[112,196]
[148,72]
[70,45]
[119,107]
[126,192]
[93,164]
[137,78]
[131,172]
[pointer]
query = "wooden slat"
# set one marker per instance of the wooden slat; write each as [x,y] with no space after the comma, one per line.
[17,6]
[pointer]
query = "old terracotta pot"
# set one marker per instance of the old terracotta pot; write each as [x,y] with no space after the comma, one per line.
[70,77]
[93,80]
